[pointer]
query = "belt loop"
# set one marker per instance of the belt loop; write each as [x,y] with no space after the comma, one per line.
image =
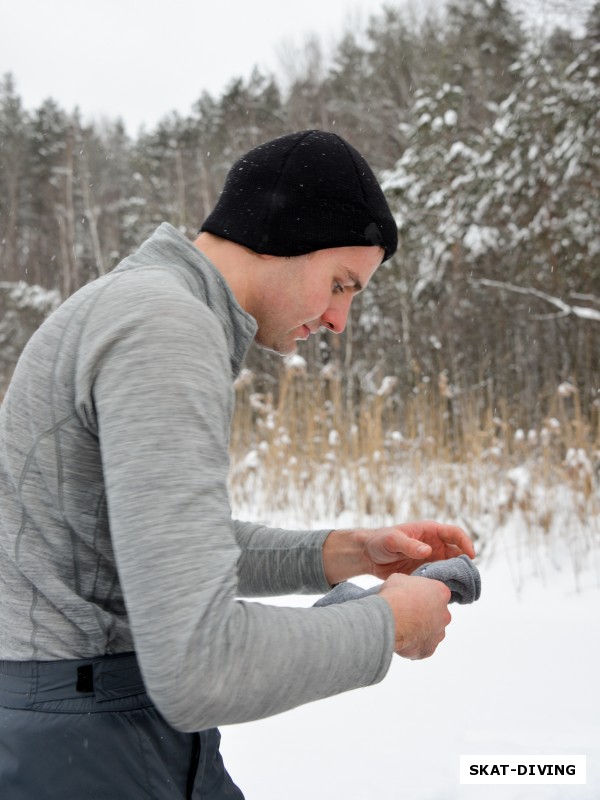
[35,680]
[85,679]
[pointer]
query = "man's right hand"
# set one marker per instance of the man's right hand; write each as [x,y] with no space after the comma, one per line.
[420,609]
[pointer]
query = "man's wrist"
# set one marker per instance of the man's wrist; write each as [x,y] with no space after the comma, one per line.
[344,555]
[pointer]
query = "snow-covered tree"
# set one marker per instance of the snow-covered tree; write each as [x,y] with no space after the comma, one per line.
[23,307]
[13,166]
[514,203]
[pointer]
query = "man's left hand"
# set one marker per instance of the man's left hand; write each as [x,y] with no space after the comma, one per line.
[399,548]
[403,548]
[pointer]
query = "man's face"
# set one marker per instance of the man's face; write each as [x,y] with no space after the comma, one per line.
[297,296]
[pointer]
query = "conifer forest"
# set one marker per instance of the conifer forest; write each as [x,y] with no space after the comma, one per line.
[486,140]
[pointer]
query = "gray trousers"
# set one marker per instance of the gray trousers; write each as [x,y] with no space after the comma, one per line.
[87,730]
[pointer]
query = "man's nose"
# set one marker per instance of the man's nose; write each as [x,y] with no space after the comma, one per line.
[336,316]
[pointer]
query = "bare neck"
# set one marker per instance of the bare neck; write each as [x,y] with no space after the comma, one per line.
[233,261]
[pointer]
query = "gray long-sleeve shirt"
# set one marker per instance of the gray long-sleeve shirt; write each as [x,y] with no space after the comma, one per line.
[115,524]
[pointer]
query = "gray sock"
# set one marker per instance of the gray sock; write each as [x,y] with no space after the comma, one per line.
[459,574]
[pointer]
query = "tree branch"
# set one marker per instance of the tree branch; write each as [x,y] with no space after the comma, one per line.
[564,309]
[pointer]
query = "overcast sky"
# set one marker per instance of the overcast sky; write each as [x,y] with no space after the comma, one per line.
[141,59]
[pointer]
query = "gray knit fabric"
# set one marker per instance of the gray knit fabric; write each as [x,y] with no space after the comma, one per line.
[459,574]
[115,523]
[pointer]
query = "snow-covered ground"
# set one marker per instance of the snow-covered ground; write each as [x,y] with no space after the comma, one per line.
[518,673]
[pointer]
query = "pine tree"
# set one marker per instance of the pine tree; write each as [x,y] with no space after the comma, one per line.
[498,225]
[13,168]
[482,41]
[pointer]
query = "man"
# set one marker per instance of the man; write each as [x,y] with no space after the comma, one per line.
[123,638]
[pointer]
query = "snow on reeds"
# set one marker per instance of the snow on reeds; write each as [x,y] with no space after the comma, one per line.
[310,453]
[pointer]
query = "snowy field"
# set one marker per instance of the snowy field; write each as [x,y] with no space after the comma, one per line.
[518,673]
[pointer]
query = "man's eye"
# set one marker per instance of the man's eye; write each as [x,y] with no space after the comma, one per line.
[337,288]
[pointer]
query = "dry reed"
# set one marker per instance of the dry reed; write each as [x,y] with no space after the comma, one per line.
[455,456]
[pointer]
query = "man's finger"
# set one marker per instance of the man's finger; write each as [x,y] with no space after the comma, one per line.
[452,535]
[399,543]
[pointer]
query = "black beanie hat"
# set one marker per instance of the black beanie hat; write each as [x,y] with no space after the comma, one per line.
[305,191]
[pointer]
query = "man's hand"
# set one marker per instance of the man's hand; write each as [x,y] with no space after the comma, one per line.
[386,551]
[420,609]
[403,548]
